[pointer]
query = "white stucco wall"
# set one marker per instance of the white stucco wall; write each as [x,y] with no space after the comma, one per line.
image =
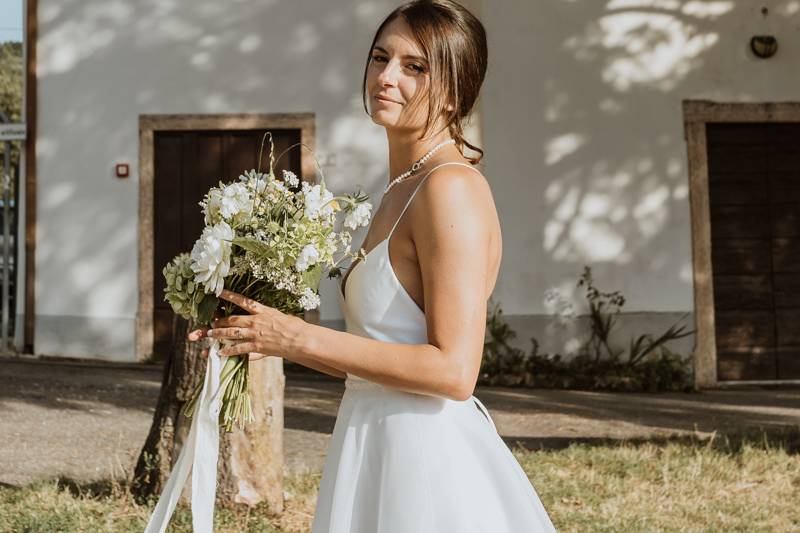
[583,131]
[103,63]
[581,123]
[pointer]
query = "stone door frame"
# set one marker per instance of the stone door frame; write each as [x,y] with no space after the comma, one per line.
[148,125]
[696,114]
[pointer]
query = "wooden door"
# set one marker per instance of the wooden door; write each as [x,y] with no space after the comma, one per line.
[187,164]
[754,196]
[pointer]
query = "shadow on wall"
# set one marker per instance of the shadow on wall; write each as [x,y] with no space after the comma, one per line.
[102,64]
[587,126]
[610,176]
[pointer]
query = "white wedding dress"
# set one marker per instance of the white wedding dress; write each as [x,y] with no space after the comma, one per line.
[399,462]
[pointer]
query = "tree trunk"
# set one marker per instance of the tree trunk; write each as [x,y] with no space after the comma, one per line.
[250,467]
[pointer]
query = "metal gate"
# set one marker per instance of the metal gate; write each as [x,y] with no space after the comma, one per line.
[9,200]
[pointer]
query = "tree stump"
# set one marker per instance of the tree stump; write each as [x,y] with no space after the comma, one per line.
[250,467]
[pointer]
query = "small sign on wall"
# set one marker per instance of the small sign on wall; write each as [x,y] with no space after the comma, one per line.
[122,170]
[12,132]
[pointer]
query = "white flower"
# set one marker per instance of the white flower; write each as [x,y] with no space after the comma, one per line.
[308,256]
[290,178]
[358,216]
[254,180]
[232,203]
[309,300]
[236,202]
[211,205]
[317,202]
[279,186]
[211,257]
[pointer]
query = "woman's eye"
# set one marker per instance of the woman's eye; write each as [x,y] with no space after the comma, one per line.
[417,68]
[378,58]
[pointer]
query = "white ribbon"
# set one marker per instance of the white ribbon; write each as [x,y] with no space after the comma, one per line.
[199,453]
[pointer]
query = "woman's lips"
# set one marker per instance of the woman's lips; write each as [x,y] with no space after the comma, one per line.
[384,99]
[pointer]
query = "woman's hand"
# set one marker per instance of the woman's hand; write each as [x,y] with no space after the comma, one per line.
[263,333]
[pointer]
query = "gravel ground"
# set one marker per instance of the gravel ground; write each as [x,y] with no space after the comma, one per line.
[89,420]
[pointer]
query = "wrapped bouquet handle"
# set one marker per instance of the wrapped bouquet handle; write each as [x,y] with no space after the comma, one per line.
[198,455]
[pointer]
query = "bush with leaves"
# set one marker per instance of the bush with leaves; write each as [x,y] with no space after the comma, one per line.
[647,364]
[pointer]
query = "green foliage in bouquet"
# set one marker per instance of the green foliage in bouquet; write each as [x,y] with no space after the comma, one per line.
[182,291]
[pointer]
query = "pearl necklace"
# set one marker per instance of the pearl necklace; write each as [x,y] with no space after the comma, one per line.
[416,166]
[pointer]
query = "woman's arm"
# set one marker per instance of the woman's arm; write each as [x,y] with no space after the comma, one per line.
[316,365]
[305,361]
[452,217]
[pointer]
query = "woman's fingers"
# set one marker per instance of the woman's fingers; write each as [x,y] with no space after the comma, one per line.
[253,356]
[240,348]
[248,304]
[197,334]
[232,333]
[233,320]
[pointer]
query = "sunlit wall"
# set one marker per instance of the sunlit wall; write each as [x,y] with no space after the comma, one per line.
[584,136]
[580,119]
[102,63]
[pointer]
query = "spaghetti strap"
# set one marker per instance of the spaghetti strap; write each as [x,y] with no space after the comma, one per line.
[421,181]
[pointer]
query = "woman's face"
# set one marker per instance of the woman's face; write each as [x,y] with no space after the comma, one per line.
[397,79]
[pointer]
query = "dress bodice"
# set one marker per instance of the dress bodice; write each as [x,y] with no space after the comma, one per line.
[374,302]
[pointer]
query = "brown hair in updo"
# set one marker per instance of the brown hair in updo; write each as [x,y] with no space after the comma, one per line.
[454,42]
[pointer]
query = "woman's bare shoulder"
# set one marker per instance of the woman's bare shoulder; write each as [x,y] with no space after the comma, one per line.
[455,198]
[465,191]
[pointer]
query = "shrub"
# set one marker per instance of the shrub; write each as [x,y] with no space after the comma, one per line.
[648,365]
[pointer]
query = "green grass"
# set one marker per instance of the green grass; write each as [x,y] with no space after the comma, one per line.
[747,483]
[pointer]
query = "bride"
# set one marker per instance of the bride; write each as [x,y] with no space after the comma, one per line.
[412,449]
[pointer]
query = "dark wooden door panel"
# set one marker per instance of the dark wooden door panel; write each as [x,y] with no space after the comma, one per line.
[754,200]
[743,292]
[740,256]
[187,164]
[739,329]
[736,158]
[787,290]
[739,191]
[786,220]
[787,322]
[786,255]
[741,134]
[732,221]
[789,362]
[783,158]
[784,187]
[746,364]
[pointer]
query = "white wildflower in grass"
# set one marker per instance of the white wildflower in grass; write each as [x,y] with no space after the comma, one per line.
[358,216]
[211,257]
[269,239]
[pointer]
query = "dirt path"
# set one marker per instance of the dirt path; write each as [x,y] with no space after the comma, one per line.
[88,421]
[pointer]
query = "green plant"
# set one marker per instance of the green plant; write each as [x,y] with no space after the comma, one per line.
[604,308]
[649,366]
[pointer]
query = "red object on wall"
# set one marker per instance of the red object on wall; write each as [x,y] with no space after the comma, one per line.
[122,170]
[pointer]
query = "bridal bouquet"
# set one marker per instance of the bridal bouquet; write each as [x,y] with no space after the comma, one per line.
[270,240]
